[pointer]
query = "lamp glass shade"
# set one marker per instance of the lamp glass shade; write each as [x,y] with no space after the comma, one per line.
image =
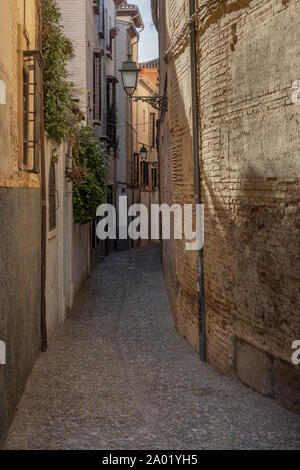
[144,153]
[129,73]
[129,79]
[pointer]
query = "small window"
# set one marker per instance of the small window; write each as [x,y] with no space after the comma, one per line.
[32,91]
[154,178]
[25,114]
[145,173]
[52,197]
[97,87]
[152,130]
[111,121]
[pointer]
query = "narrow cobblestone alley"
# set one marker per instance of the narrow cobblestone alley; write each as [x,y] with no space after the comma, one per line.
[117,376]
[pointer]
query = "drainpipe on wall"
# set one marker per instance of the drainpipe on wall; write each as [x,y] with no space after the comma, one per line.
[44,342]
[197,180]
[44,225]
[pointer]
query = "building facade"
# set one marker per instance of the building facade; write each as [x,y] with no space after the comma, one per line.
[146,172]
[45,256]
[231,129]
[20,198]
[136,179]
[129,23]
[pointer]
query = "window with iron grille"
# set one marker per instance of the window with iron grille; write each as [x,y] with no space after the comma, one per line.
[25,114]
[152,130]
[97,87]
[32,99]
[154,178]
[145,173]
[52,197]
[111,109]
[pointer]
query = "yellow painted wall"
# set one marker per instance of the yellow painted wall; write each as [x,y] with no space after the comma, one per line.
[19,26]
[147,86]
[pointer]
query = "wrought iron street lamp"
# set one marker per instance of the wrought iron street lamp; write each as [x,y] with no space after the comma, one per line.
[144,153]
[154,164]
[129,73]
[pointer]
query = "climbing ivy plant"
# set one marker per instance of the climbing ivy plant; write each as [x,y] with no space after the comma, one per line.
[93,158]
[63,120]
[56,51]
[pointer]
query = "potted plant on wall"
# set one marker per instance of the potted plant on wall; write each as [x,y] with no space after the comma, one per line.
[96,7]
[113,32]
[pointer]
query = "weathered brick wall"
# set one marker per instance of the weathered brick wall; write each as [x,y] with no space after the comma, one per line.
[177,181]
[247,62]
[250,166]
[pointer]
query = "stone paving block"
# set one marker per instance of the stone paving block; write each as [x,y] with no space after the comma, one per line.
[120,377]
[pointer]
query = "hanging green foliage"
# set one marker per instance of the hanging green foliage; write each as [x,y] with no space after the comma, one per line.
[63,120]
[92,158]
[56,51]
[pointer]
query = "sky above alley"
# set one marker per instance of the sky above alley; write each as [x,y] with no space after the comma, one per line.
[148,47]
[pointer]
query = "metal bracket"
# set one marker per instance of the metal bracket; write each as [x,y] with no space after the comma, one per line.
[158,102]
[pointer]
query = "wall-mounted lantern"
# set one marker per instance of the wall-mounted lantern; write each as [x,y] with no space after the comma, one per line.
[144,153]
[129,73]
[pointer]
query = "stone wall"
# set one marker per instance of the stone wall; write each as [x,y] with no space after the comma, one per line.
[20,214]
[177,171]
[20,293]
[250,168]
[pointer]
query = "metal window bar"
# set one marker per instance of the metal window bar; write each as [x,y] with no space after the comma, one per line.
[32,99]
[26,95]
[97,87]
[111,110]
[145,173]
[154,178]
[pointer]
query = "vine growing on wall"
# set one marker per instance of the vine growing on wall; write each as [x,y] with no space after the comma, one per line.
[92,159]
[63,120]
[57,49]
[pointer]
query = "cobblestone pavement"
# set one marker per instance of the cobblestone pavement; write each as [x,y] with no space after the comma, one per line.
[117,376]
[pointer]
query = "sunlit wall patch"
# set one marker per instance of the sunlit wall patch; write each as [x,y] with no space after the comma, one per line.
[2,353]
[2,92]
[296,92]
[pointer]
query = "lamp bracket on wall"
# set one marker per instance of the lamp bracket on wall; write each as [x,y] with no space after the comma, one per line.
[158,102]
